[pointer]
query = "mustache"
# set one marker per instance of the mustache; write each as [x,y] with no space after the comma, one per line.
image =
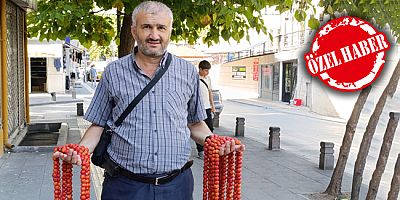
[152,40]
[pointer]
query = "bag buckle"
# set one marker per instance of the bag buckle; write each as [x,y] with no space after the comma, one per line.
[109,131]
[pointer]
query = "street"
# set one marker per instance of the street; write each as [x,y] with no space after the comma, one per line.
[301,131]
[301,134]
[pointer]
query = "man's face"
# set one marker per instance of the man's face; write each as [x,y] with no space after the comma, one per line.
[152,33]
[204,72]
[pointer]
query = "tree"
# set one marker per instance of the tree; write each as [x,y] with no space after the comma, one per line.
[381,13]
[206,19]
[334,187]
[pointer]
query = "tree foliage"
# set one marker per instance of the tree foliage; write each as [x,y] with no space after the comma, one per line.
[381,11]
[58,19]
[206,19]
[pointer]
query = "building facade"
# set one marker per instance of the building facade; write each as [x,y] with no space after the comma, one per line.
[276,71]
[13,61]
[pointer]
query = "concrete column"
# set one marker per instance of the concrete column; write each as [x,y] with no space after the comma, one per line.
[326,158]
[72,88]
[79,109]
[53,96]
[239,130]
[274,138]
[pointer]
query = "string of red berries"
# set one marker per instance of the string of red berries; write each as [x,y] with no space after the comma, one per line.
[63,190]
[222,174]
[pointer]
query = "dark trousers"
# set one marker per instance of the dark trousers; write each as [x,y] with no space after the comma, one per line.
[209,122]
[123,188]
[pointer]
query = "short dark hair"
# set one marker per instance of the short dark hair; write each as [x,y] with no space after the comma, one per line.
[204,64]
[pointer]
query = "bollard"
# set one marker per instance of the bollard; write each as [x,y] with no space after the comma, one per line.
[73,94]
[326,158]
[239,130]
[274,138]
[79,109]
[53,96]
[216,119]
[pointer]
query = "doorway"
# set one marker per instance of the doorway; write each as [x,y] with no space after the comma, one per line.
[289,81]
[38,74]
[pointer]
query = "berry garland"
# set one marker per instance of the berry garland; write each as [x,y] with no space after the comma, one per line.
[63,190]
[222,174]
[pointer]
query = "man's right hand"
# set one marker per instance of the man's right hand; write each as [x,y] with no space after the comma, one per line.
[71,157]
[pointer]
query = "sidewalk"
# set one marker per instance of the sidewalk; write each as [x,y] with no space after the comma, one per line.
[285,107]
[267,175]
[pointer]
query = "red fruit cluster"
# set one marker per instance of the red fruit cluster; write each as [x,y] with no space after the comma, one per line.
[222,174]
[63,190]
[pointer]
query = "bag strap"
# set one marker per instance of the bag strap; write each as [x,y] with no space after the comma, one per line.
[204,83]
[143,93]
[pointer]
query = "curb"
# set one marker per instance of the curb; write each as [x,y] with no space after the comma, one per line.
[56,102]
[62,140]
[284,110]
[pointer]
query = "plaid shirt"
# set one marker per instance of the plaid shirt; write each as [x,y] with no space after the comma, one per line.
[154,137]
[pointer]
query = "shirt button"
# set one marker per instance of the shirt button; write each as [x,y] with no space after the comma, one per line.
[155,131]
[154,112]
[153,91]
[155,153]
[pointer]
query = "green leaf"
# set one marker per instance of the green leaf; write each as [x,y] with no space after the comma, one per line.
[288,3]
[300,15]
[271,38]
[313,23]
[330,10]
[225,34]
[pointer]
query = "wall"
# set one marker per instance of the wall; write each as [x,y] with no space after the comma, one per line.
[344,103]
[52,49]
[247,85]
[55,79]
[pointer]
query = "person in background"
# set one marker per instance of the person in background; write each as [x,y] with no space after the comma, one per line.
[151,148]
[206,95]
[93,75]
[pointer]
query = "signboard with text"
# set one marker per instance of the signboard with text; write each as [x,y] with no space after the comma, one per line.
[255,69]
[238,72]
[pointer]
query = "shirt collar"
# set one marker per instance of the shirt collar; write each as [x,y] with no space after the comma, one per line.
[162,62]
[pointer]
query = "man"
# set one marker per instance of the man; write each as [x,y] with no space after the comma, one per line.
[154,139]
[93,75]
[207,98]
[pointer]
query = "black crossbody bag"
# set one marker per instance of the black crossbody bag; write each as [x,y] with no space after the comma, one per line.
[99,152]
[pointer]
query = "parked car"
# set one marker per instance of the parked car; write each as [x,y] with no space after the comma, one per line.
[217,101]
[217,98]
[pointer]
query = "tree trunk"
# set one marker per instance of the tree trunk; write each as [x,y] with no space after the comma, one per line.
[383,156]
[369,133]
[335,186]
[395,185]
[118,23]
[126,42]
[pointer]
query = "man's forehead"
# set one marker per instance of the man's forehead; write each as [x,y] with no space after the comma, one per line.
[154,17]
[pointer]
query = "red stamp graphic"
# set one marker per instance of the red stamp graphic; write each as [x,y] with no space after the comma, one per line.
[347,54]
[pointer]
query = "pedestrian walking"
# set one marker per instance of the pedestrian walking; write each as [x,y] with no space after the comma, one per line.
[207,98]
[93,75]
[151,147]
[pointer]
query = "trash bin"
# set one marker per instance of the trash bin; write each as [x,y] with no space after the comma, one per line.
[297,102]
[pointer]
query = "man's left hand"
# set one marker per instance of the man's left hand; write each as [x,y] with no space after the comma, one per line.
[213,109]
